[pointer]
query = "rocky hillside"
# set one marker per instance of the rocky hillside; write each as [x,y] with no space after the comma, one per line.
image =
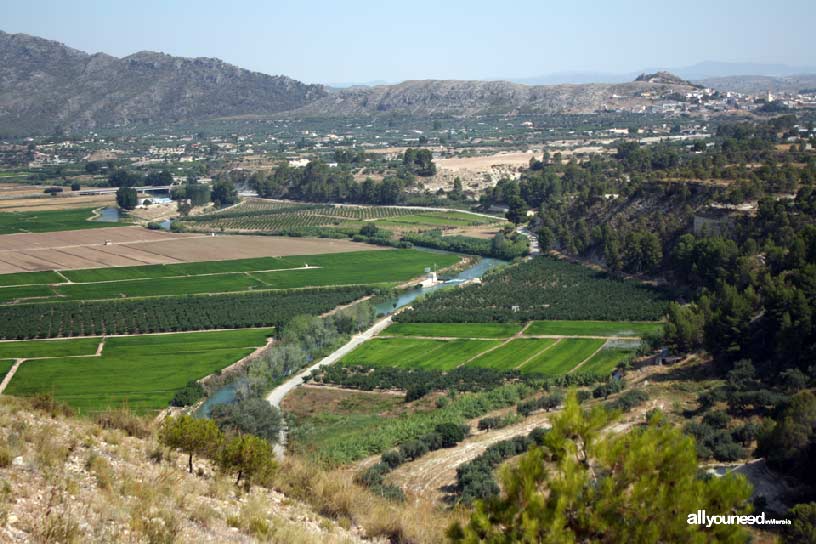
[451,97]
[107,479]
[46,86]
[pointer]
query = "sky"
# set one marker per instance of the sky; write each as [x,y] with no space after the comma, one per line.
[361,41]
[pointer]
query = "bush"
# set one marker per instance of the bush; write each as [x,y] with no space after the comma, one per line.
[745,434]
[392,458]
[188,396]
[451,433]
[717,419]
[124,420]
[416,393]
[631,399]
[413,449]
[254,416]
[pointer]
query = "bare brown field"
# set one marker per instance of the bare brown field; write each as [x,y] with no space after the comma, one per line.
[30,198]
[486,162]
[135,246]
[55,203]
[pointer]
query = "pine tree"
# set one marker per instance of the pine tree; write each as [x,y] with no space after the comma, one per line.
[638,486]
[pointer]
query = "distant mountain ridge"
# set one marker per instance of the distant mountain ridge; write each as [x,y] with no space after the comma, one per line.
[47,86]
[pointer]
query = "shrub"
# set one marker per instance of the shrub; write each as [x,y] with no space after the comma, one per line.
[191,394]
[717,419]
[631,399]
[392,458]
[124,420]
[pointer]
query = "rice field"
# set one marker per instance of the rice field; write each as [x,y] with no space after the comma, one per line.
[561,358]
[512,354]
[141,372]
[386,268]
[593,328]
[454,330]
[417,353]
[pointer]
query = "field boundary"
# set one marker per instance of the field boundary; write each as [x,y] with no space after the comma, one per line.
[594,353]
[536,354]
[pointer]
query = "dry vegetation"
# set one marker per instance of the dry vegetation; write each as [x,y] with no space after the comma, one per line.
[68,480]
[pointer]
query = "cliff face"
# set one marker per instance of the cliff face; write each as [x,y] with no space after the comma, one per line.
[45,86]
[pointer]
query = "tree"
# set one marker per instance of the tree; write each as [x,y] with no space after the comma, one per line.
[248,456]
[126,198]
[252,415]
[633,487]
[75,186]
[802,529]
[191,436]
[683,331]
[224,193]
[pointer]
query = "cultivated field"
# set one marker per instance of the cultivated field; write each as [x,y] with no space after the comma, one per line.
[385,268]
[11,202]
[47,220]
[135,246]
[548,348]
[418,353]
[142,372]
[592,328]
[458,330]
[253,215]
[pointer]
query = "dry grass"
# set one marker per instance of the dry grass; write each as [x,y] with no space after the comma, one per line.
[76,481]
[334,494]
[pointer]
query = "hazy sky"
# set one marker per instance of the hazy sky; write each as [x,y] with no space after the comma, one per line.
[325,42]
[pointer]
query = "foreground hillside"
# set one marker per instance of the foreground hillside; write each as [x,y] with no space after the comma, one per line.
[70,480]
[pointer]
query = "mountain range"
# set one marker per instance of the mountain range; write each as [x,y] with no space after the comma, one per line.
[46,86]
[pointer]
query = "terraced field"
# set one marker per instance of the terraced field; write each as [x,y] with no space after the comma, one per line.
[142,372]
[26,349]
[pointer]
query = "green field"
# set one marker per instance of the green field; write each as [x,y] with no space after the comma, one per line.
[30,278]
[417,353]
[562,357]
[7,294]
[512,354]
[142,372]
[593,328]
[48,221]
[606,360]
[48,348]
[5,366]
[361,267]
[454,330]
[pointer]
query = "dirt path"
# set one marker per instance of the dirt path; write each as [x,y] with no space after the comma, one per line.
[427,477]
[276,396]
[10,374]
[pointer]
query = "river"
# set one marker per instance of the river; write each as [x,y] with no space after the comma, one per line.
[226,394]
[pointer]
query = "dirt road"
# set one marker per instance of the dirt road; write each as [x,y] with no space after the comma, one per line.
[276,396]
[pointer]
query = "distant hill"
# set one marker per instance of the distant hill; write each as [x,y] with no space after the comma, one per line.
[760,84]
[455,97]
[47,86]
[694,72]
